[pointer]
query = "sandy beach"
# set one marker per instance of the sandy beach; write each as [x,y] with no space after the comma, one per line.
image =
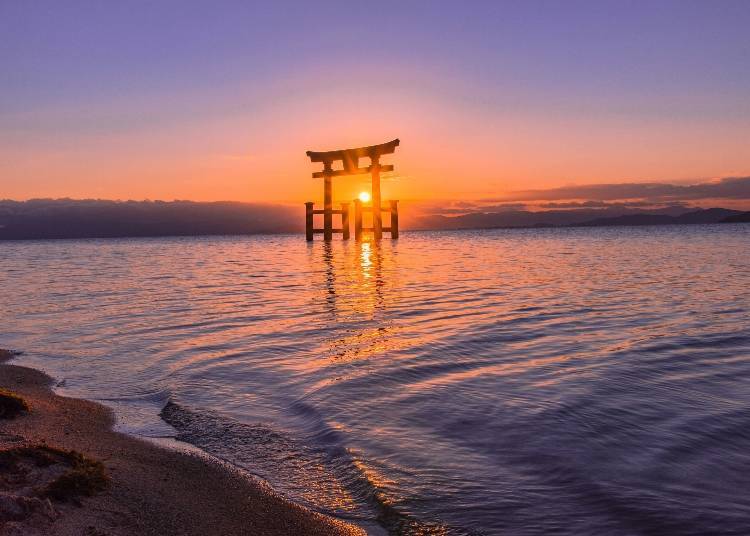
[137,488]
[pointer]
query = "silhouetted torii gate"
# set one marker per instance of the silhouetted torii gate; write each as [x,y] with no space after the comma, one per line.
[350,159]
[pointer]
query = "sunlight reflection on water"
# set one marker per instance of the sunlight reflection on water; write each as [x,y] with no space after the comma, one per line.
[577,381]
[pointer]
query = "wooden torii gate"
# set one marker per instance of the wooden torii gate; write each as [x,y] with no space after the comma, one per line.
[350,159]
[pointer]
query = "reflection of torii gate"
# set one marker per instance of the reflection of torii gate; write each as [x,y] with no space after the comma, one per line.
[350,159]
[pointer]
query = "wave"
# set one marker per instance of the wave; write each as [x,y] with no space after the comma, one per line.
[331,480]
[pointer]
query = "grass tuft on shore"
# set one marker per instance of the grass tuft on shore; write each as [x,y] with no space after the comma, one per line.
[11,404]
[86,478]
[72,474]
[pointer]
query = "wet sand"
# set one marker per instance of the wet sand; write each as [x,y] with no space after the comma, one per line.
[152,490]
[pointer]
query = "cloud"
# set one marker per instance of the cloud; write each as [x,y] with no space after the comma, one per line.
[465,207]
[737,188]
[600,204]
[576,204]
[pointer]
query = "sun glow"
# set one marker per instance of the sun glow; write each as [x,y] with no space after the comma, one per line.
[364,197]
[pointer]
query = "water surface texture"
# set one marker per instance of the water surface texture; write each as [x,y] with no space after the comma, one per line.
[570,381]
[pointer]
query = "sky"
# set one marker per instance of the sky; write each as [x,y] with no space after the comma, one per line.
[220,100]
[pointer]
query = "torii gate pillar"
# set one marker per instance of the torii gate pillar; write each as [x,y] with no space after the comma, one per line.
[377,218]
[327,203]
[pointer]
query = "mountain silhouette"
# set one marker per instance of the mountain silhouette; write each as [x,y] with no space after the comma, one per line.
[711,215]
[67,218]
[675,215]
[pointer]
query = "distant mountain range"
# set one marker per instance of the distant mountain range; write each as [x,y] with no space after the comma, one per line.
[711,215]
[66,218]
[677,215]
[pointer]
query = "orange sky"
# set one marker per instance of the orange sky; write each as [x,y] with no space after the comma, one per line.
[135,104]
[448,151]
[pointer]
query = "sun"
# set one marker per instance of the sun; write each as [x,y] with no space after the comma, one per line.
[364,197]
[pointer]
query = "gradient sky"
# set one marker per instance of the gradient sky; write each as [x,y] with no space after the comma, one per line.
[220,100]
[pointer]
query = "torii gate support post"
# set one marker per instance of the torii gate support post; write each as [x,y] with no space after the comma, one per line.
[345,220]
[394,219]
[309,231]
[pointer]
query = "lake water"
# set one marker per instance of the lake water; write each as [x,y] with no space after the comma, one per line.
[555,381]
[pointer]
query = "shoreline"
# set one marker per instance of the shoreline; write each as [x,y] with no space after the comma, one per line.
[152,489]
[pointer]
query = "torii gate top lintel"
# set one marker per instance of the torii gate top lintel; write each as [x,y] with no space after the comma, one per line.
[370,150]
[350,158]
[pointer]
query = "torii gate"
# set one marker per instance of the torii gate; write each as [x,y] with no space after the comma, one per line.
[350,159]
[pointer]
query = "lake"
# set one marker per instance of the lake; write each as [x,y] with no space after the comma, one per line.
[547,381]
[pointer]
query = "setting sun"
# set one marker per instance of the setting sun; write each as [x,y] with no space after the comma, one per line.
[364,197]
